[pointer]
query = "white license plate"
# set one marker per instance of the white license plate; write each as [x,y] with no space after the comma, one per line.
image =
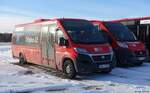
[141,58]
[104,66]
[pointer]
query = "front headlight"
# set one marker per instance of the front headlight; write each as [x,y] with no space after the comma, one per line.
[80,50]
[110,49]
[122,44]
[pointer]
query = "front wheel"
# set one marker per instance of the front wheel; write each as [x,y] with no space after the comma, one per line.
[107,71]
[139,64]
[69,69]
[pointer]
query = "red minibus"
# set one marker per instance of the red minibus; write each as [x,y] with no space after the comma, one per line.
[127,48]
[70,45]
[140,27]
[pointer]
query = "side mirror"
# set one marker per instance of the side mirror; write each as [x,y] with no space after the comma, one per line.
[58,28]
[63,41]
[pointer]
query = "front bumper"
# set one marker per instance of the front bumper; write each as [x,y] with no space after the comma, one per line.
[126,56]
[85,63]
[135,60]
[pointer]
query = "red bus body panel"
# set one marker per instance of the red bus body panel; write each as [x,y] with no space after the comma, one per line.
[133,47]
[30,53]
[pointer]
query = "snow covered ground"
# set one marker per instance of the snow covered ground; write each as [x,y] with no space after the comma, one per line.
[19,79]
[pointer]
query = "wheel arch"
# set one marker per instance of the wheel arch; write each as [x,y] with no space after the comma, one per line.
[21,53]
[71,59]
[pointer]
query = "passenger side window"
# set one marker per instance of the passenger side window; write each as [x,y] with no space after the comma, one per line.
[32,35]
[18,36]
[59,34]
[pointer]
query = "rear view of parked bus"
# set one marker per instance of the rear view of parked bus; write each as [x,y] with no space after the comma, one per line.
[127,48]
[71,45]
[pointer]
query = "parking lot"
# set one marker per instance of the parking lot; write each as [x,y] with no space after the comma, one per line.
[130,80]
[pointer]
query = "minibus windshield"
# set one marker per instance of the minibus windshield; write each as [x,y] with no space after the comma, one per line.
[121,32]
[83,32]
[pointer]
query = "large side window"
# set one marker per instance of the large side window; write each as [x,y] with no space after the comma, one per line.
[32,35]
[44,34]
[18,36]
[52,32]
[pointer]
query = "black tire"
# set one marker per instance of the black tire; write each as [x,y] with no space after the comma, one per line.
[139,64]
[114,61]
[106,71]
[121,62]
[22,60]
[69,69]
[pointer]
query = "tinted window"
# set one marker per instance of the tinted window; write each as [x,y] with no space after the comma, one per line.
[121,32]
[82,31]
[32,35]
[52,31]
[29,35]
[59,34]
[18,36]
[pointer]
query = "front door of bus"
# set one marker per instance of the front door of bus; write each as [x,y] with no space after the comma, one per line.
[60,50]
[47,47]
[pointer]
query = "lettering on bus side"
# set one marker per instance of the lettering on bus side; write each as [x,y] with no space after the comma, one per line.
[29,35]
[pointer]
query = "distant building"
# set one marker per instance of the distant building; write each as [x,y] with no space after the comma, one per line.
[5,37]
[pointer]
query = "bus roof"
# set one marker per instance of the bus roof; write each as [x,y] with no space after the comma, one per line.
[104,21]
[46,20]
[131,19]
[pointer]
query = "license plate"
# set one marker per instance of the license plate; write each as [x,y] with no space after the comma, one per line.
[141,58]
[104,66]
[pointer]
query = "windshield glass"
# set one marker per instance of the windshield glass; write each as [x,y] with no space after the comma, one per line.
[82,31]
[120,31]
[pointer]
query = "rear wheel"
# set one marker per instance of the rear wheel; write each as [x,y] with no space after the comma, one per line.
[107,71]
[121,62]
[22,59]
[69,69]
[139,64]
[114,61]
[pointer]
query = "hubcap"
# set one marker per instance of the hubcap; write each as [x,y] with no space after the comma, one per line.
[21,60]
[68,69]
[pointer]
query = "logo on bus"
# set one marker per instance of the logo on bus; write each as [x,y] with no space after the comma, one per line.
[97,49]
[134,45]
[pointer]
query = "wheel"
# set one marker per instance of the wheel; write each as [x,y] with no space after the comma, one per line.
[106,71]
[69,69]
[22,59]
[121,62]
[118,60]
[139,64]
[114,61]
